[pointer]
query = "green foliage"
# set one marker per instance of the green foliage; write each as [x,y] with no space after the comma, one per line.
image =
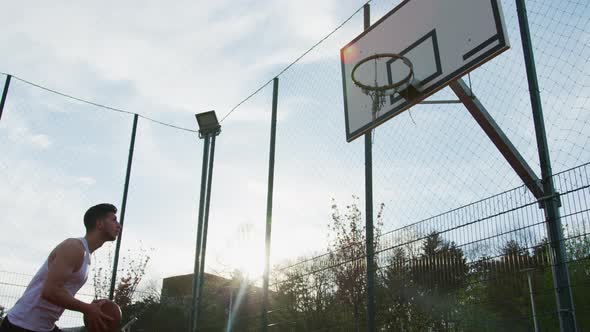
[329,294]
[578,249]
[417,290]
[245,299]
[132,269]
[156,315]
[347,251]
[304,295]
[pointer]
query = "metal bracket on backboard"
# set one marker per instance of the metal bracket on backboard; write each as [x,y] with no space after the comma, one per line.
[411,91]
[436,102]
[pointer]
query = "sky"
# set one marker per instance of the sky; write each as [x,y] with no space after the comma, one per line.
[164,62]
[169,62]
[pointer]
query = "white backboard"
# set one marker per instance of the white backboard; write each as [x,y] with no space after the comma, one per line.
[444,40]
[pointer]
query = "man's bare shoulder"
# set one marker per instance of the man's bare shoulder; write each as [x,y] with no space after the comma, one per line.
[71,245]
[71,251]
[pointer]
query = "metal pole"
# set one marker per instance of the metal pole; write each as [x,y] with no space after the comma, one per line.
[528,274]
[561,281]
[369,210]
[123,206]
[4,94]
[194,305]
[497,136]
[205,227]
[269,196]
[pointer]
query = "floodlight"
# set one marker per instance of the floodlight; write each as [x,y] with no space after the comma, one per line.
[208,124]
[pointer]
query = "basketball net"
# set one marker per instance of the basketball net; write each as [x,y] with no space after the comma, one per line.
[379,93]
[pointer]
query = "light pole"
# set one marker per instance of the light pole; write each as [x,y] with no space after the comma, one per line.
[529,273]
[209,128]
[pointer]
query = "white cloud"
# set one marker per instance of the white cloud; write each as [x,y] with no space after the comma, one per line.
[37,216]
[24,135]
[40,140]
[86,180]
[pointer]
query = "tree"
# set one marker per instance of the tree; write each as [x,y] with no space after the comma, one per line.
[577,247]
[498,288]
[240,304]
[304,296]
[347,253]
[578,254]
[425,287]
[398,294]
[443,265]
[154,315]
[131,272]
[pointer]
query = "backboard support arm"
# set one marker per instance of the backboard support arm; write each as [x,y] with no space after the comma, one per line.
[497,136]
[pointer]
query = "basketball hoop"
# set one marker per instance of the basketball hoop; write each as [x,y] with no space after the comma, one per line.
[379,93]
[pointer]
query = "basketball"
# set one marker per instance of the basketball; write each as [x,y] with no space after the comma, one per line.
[111,309]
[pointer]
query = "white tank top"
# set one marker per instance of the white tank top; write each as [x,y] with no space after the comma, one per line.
[32,312]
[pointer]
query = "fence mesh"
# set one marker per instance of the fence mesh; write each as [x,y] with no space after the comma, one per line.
[457,235]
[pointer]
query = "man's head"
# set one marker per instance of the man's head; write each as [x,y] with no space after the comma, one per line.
[102,218]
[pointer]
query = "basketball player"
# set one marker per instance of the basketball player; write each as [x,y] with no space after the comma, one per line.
[65,271]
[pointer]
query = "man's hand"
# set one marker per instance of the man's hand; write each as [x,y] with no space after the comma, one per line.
[95,318]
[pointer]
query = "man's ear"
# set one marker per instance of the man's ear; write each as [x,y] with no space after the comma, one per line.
[99,224]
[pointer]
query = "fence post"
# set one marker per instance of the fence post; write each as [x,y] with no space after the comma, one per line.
[269,197]
[369,210]
[123,206]
[4,94]
[550,203]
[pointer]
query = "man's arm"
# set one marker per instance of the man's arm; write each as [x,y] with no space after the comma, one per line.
[66,259]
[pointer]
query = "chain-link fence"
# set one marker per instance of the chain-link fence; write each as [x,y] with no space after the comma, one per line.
[467,251]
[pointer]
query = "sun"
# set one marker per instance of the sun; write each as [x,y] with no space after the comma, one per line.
[252,269]
[248,258]
[245,252]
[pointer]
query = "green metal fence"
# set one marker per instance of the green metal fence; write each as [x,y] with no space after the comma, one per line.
[463,270]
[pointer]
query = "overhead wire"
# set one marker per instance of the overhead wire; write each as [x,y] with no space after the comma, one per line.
[98,105]
[293,63]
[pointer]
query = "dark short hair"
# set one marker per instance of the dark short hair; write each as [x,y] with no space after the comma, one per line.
[97,212]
